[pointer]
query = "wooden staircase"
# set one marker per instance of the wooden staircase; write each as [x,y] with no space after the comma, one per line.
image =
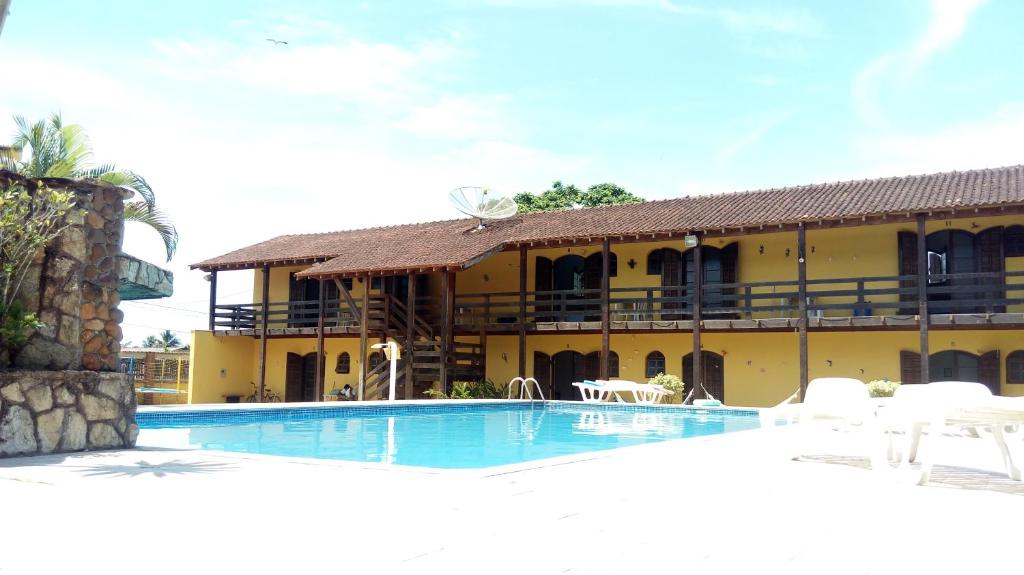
[465,360]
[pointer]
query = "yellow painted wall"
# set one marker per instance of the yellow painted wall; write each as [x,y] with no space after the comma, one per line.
[761,369]
[277,361]
[220,366]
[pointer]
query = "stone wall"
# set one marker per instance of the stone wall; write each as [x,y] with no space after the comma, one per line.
[50,411]
[74,287]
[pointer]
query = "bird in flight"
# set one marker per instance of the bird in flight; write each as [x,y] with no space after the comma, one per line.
[277,42]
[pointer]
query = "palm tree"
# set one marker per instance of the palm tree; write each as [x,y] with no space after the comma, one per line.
[63,151]
[165,339]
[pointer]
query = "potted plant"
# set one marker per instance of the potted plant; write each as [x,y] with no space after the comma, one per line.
[882,387]
[671,383]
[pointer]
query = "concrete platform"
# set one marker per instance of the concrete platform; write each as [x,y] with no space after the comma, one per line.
[723,504]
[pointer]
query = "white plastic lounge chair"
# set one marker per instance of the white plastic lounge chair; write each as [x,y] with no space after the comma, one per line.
[835,402]
[939,405]
[602,390]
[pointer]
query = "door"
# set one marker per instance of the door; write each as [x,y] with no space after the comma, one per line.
[673,277]
[568,278]
[592,272]
[988,248]
[712,373]
[542,372]
[567,367]
[300,378]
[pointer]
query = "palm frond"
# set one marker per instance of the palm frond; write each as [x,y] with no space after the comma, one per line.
[125,179]
[140,211]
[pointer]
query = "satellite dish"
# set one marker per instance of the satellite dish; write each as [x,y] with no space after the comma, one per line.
[483,203]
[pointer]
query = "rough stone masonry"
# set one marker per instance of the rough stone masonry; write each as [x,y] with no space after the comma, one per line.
[64,393]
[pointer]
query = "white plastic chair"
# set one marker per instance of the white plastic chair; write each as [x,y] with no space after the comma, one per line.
[832,402]
[604,390]
[941,404]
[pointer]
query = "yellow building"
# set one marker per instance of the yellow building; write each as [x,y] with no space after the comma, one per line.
[768,289]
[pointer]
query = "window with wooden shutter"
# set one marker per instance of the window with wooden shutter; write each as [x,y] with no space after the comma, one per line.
[988,247]
[988,370]
[910,367]
[655,364]
[1015,367]
[907,251]
[654,262]
[542,371]
[344,363]
[592,365]
[613,364]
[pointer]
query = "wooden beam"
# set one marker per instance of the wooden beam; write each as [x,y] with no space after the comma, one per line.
[319,387]
[522,311]
[922,294]
[364,326]
[213,300]
[265,296]
[410,335]
[352,307]
[801,267]
[698,288]
[605,312]
[447,325]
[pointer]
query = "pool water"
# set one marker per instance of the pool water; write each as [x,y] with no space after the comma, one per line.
[451,437]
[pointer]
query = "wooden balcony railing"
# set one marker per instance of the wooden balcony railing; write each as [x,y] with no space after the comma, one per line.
[499,311]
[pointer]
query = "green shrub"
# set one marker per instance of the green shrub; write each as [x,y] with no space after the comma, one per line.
[485,389]
[668,381]
[882,387]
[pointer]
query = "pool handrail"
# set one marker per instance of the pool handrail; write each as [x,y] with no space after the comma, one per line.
[524,388]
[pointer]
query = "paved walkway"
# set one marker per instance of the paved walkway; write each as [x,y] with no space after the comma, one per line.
[725,504]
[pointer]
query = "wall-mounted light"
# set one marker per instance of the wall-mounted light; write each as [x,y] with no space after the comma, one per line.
[828,362]
[504,357]
[812,249]
[690,241]
[760,249]
[787,252]
[631,263]
[487,278]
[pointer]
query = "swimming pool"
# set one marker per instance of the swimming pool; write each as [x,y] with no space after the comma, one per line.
[439,434]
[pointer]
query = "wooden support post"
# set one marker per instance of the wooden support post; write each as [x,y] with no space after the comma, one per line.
[364,326]
[448,325]
[922,295]
[265,296]
[319,379]
[606,256]
[410,336]
[522,311]
[213,300]
[698,289]
[801,263]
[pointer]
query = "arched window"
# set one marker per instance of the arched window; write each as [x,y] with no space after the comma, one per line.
[1015,367]
[375,359]
[655,364]
[344,364]
[592,361]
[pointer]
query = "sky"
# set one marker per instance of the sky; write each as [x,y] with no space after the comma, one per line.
[373,111]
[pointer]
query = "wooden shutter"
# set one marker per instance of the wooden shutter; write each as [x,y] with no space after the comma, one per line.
[592,369]
[907,252]
[910,367]
[544,280]
[308,392]
[613,364]
[654,262]
[988,249]
[730,255]
[293,378]
[542,371]
[688,369]
[988,370]
[673,274]
[1013,242]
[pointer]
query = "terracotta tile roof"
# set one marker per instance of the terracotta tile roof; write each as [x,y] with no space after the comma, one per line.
[456,243]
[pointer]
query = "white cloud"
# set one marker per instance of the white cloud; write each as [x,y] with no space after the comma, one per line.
[990,142]
[948,21]
[749,20]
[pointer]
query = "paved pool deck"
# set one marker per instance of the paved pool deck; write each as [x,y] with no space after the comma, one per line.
[722,504]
